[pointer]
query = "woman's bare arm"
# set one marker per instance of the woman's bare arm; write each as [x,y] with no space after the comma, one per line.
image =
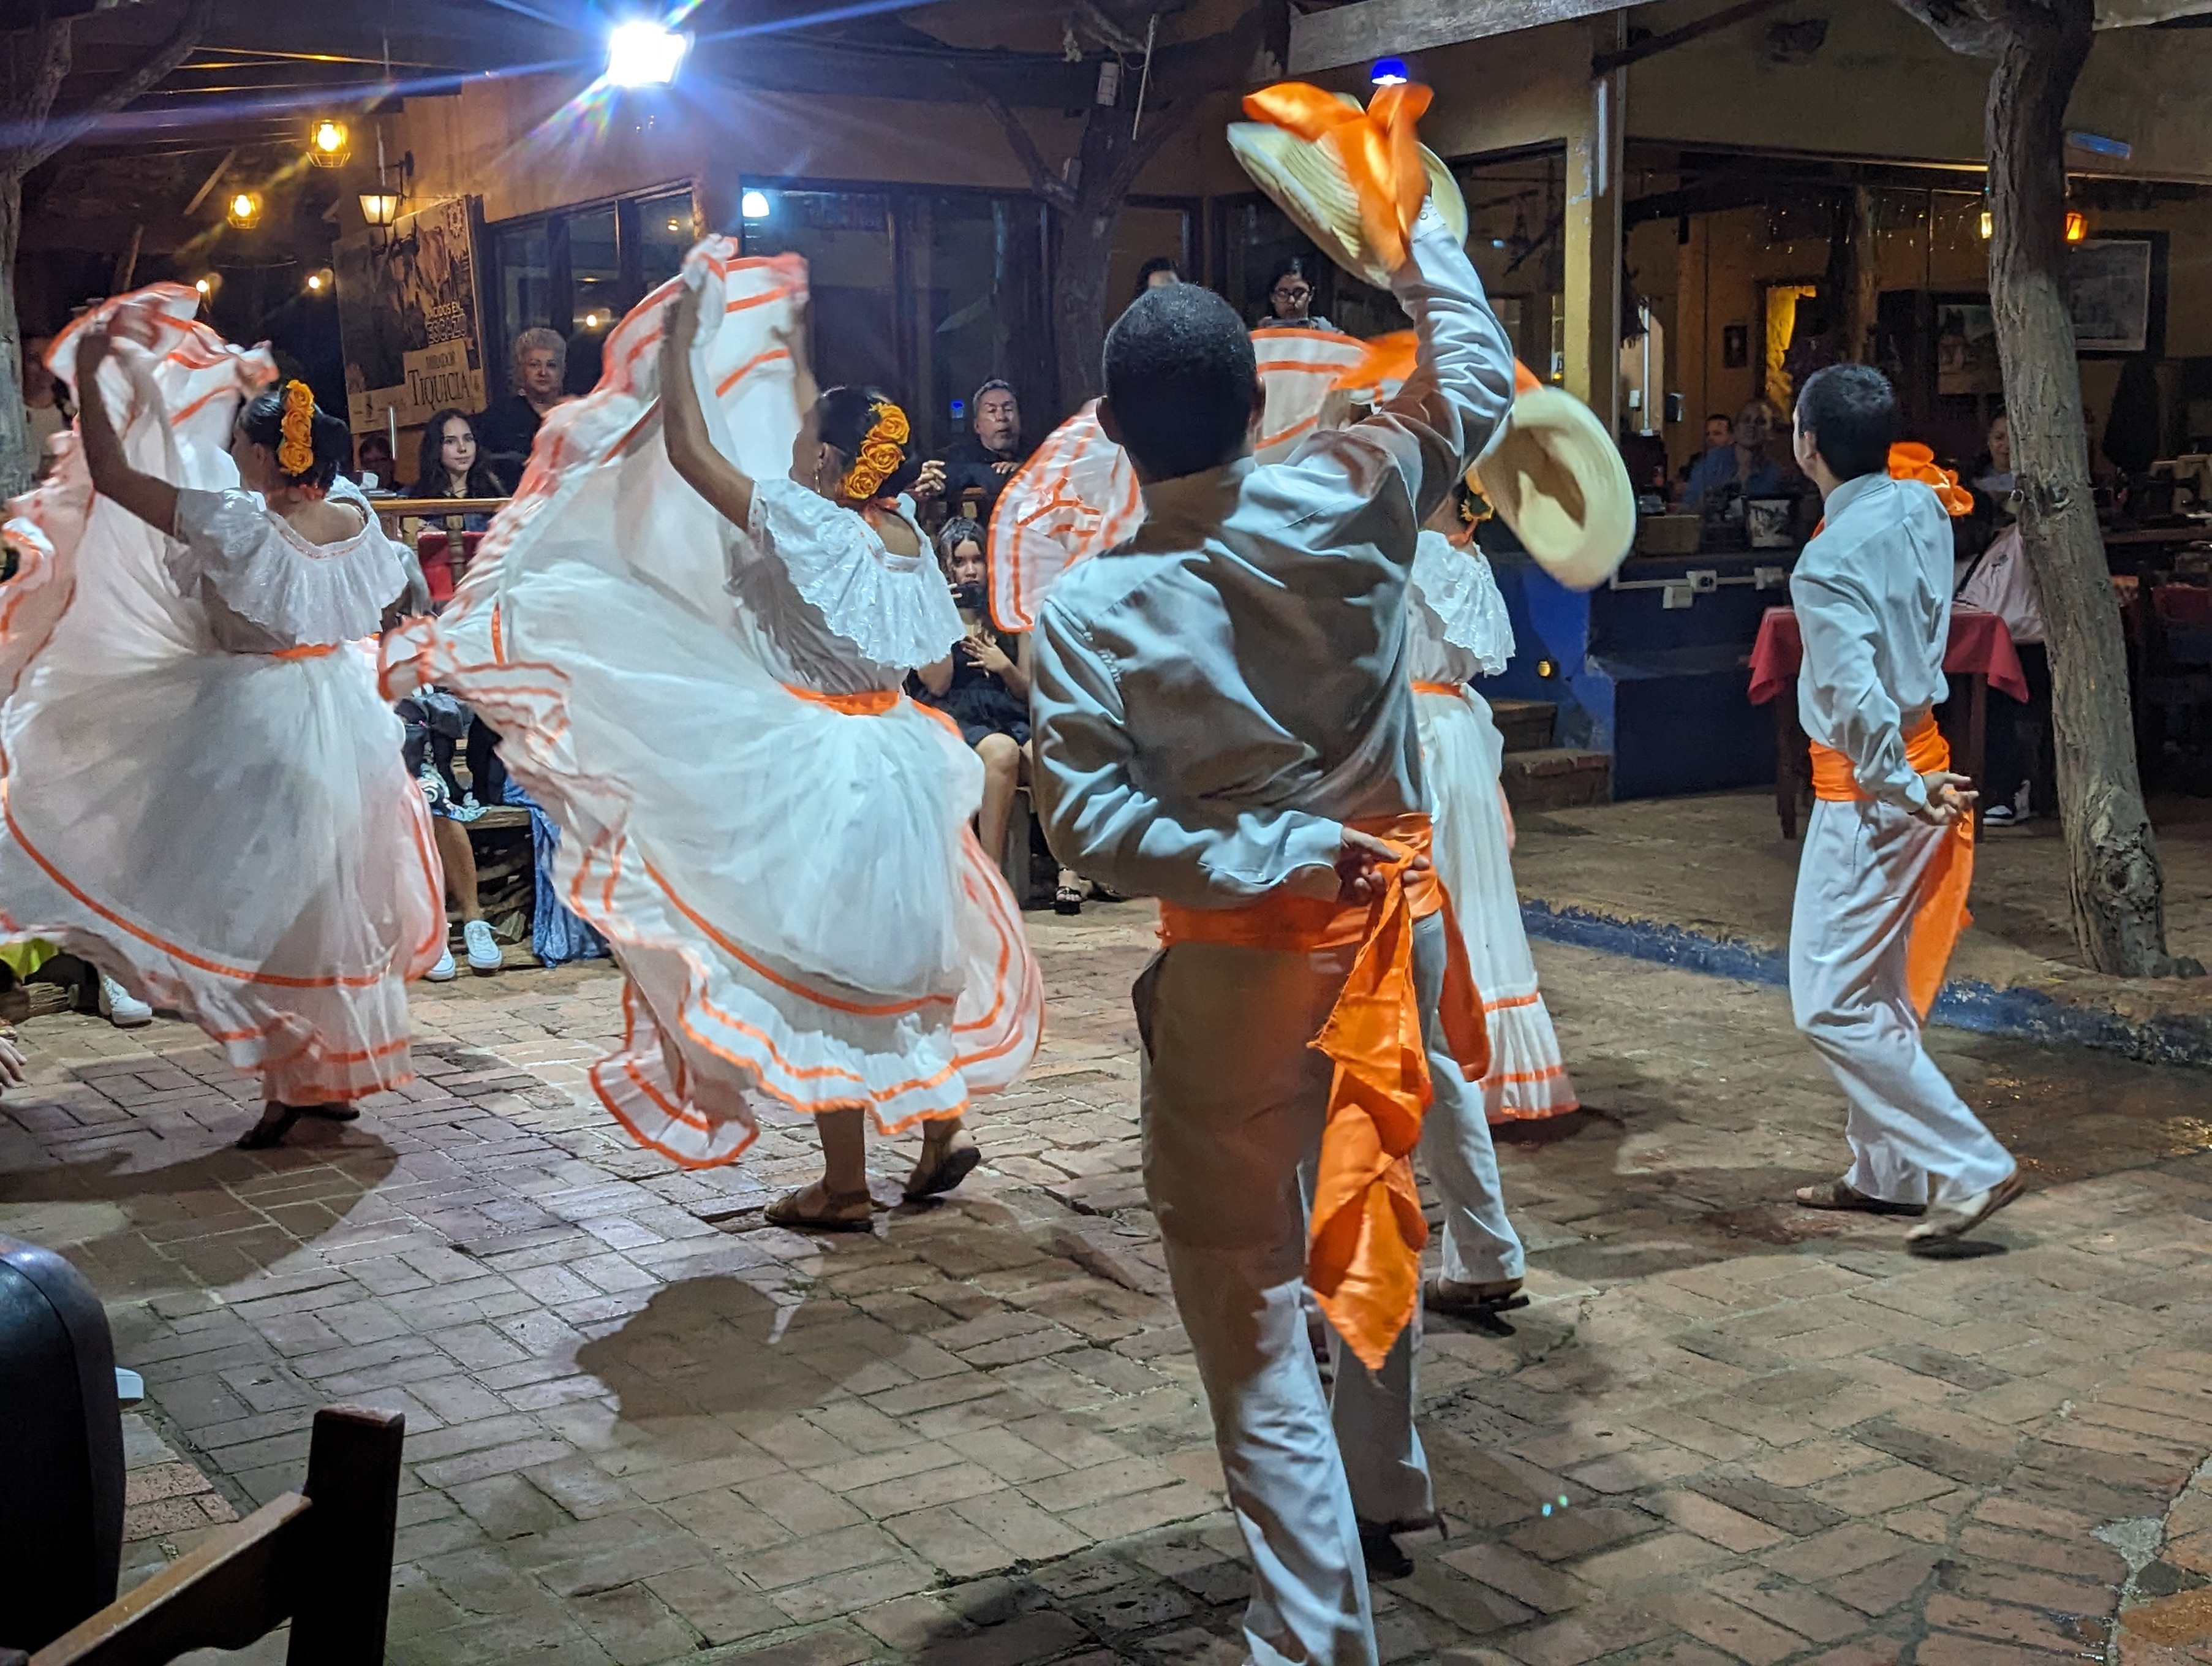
[683,422]
[938,677]
[153,500]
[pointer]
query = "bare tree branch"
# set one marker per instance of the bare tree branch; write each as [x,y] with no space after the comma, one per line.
[1047,183]
[64,131]
[1966,27]
[1162,123]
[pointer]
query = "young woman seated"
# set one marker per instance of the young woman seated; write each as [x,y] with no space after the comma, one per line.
[984,687]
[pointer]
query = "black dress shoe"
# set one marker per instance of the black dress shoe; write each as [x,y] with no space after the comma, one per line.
[1384,1559]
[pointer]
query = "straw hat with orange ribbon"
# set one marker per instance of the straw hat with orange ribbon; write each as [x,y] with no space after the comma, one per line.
[1353,179]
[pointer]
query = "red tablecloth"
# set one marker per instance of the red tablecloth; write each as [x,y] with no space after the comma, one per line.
[1979,643]
[433,549]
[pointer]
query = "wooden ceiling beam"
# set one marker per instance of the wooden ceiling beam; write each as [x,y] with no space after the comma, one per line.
[1369,29]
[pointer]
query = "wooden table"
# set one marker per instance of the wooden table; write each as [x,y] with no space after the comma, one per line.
[1980,651]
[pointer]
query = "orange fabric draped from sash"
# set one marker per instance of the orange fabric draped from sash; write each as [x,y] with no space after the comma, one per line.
[1942,912]
[1364,1248]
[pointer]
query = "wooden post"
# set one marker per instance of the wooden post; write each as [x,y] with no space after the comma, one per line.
[1591,237]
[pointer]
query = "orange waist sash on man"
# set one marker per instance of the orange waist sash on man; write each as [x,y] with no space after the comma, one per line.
[1942,912]
[1364,1248]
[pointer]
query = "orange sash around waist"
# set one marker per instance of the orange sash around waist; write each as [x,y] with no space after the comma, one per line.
[1942,912]
[869,703]
[1364,1248]
[1452,690]
[305,651]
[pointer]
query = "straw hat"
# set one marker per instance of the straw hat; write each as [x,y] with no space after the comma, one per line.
[1307,181]
[1557,479]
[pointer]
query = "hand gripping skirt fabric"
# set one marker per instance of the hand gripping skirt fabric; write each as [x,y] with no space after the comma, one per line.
[800,910]
[230,835]
[1461,756]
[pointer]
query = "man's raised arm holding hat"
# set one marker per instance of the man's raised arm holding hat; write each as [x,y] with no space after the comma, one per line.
[1225,721]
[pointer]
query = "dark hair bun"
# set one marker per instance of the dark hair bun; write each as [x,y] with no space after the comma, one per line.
[847,419]
[329,439]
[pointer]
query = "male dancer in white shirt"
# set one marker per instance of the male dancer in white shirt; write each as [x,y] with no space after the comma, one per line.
[1881,881]
[1225,721]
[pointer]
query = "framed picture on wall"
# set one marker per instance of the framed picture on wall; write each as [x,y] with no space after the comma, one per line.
[2115,289]
[1735,346]
[1966,348]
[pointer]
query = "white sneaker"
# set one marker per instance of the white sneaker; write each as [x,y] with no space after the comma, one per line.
[484,956]
[2000,815]
[444,970]
[121,1007]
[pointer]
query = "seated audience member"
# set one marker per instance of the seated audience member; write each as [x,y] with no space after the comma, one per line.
[1158,272]
[373,458]
[46,408]
[507,428]
[2020,772]
[984,687]
[976,468]
[1754,466]
[452,465]
[431,722]
[1992,471]
[1720,434]
[1291,295]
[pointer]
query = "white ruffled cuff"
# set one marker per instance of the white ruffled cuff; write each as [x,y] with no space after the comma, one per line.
[895,610]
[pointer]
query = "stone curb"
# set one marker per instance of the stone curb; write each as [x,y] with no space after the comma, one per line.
[2077,1009]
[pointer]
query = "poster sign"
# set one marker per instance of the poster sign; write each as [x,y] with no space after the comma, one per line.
[2108,292]
[408,320]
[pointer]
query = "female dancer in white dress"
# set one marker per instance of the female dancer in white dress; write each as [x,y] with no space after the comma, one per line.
[203,793]
[1459,630]
[699,681]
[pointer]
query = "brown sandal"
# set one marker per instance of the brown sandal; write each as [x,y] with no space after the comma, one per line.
[1841,1195]
[785,1212]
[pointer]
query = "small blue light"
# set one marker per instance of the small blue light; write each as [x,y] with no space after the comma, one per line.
[959,409]
[1388,72]
[2097,145]
[1547,1510]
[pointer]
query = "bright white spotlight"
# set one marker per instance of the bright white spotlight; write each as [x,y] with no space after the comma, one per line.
[640,53]
[753,205]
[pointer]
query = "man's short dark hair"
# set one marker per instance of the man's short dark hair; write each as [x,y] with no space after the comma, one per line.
[1181,373]
[1851,412]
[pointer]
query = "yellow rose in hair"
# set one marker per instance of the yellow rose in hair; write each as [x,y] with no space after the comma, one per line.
[891,425]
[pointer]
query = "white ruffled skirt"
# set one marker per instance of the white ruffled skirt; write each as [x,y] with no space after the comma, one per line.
[234,838]
[793,890]
[1461,756]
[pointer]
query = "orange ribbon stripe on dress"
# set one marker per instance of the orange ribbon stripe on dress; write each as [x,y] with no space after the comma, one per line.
[1379,148]
[1389,360]
[1942,912]
[1363,1247]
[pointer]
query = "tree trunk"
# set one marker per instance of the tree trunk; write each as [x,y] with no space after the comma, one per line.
[1078,300]
[2113,879]
[16,463]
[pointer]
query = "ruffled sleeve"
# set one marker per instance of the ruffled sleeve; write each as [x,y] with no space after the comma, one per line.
[895,610]
[299,593]
[1461,589]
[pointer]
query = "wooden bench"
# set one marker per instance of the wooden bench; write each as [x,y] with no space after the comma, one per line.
[320,1557]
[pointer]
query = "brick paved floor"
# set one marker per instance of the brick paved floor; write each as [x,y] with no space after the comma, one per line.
[643,1425]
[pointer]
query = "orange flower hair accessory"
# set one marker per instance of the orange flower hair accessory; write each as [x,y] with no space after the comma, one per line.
[882,451]
[295,453]
[1911,460]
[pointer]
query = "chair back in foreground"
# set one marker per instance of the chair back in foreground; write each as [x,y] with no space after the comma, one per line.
[320,1557]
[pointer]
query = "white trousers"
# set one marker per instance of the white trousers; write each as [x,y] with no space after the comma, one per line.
[1233,1101]
[1860,880]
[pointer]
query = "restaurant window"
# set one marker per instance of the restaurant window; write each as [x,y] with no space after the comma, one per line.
[924,293]
[578,271]
[1516,210]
